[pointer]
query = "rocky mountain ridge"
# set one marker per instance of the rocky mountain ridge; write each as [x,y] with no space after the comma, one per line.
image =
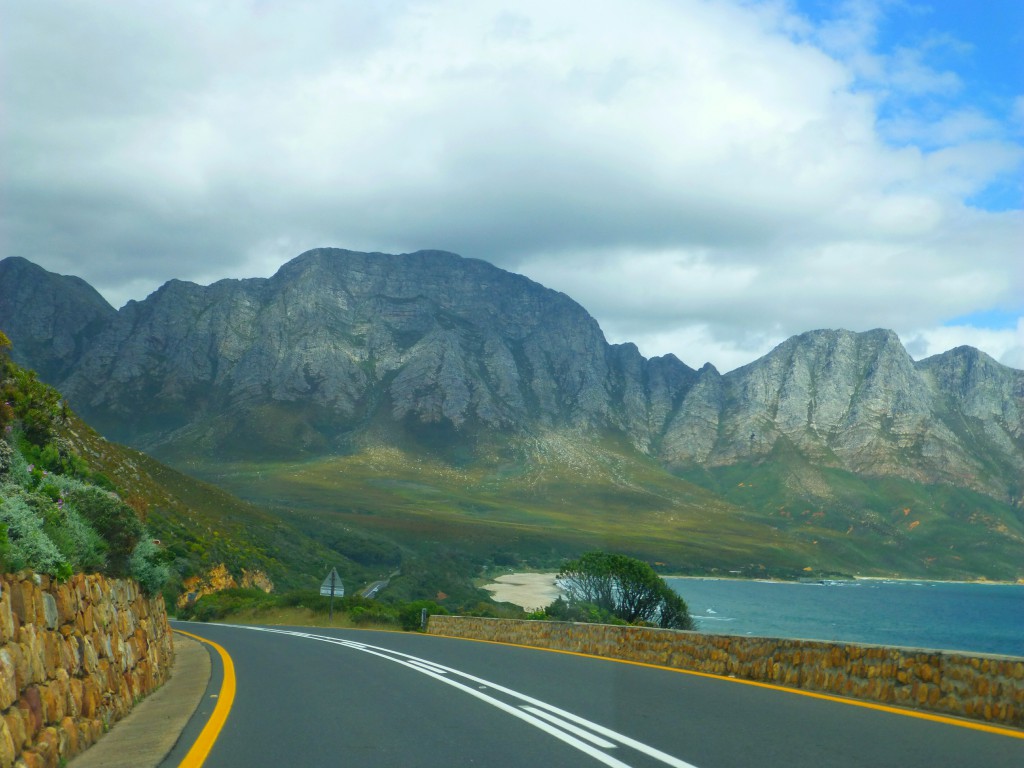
[340,350]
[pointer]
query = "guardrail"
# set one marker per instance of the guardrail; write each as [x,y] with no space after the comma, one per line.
[982,687]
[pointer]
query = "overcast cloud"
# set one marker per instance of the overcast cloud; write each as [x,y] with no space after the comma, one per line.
[706,178]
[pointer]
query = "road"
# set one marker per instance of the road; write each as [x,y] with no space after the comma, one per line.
[371,590]
[321,697]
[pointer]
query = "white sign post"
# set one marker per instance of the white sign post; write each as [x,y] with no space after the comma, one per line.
[332,586]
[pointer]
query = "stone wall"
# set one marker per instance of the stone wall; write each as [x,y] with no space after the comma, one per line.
[74,658]
[982,687]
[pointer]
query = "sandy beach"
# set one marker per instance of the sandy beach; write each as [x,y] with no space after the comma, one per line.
[527,590]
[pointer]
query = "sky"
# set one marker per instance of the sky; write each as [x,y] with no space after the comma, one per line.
[705,177]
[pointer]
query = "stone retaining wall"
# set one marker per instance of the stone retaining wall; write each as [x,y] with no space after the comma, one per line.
[982,687]
[74,657]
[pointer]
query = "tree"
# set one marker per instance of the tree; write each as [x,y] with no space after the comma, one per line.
[624,587]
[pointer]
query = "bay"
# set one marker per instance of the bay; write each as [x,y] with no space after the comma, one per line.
[978,618]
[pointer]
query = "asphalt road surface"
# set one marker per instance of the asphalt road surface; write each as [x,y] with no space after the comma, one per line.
[321,697]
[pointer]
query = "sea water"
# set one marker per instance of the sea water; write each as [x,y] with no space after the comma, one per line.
[980,618]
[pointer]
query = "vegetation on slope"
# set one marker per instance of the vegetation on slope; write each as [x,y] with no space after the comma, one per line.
[562,495]
[56,515]
[72,501]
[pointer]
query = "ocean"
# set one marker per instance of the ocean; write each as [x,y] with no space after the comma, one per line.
[980,618]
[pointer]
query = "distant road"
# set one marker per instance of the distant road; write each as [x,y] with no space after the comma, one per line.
[372,590]
[321,697]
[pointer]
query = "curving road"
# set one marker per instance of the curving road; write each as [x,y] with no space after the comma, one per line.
[321,697]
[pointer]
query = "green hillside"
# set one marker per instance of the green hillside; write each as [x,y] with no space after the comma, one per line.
[563,495]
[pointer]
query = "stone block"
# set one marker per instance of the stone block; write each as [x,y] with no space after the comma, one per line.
[70,741]
[54,703]
[8,749]
[15,721]
[48,747]
[51,616]
[6,617]
[85,620]
[31,706]
[21,600]
[90,660]
[91,698]
[9,688]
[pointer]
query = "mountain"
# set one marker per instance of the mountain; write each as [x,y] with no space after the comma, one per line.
[857,401]
[53,317]
[450,365]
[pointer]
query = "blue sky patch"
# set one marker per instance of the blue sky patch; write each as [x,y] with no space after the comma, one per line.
[994,319]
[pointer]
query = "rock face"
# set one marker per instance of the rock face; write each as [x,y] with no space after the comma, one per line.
[858,401]
[340,348]
[53,317]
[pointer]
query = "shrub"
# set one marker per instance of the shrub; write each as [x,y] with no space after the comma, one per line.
[18,471]
[76,540]
[411,614]
[623,587]
[148,567]
[588,613]
[112,519]
[221,604]
[377,614]
[305,598]
[6,457]
[29,546]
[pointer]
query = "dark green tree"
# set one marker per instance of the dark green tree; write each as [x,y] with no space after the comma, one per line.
[624,587]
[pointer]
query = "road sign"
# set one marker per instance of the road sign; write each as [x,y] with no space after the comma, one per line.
[332,586]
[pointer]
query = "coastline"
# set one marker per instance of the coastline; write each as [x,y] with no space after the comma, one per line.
[533,590]
[529,590]
[898,579]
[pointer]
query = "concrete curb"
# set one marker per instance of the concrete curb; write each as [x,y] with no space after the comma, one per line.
[146,736]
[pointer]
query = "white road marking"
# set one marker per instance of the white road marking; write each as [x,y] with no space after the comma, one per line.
[570,728]
[548,718]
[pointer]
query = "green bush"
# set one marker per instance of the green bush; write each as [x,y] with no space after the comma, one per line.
[221,604]
[81,546]
[604,583]
[5,546]
[112,519]
[53,522]
[305,598]
[19,473]
[411,614]
[148,567]
[588,613]
[377,614]
[28,544]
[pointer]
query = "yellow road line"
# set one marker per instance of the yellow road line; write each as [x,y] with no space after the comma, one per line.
[204,743]
[948,720]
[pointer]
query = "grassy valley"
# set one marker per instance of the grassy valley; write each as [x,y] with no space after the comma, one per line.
[561,495]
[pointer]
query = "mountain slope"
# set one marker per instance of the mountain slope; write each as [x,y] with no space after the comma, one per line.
[341,355]
[338,345]
[857,401]
[52,318]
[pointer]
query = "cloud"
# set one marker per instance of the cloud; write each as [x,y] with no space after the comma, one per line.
[705,178]
[1005,345]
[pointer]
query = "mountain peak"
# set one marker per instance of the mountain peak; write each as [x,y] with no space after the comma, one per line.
[438,352]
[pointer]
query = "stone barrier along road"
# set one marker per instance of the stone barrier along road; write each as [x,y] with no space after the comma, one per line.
[74,658]
[981,687]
